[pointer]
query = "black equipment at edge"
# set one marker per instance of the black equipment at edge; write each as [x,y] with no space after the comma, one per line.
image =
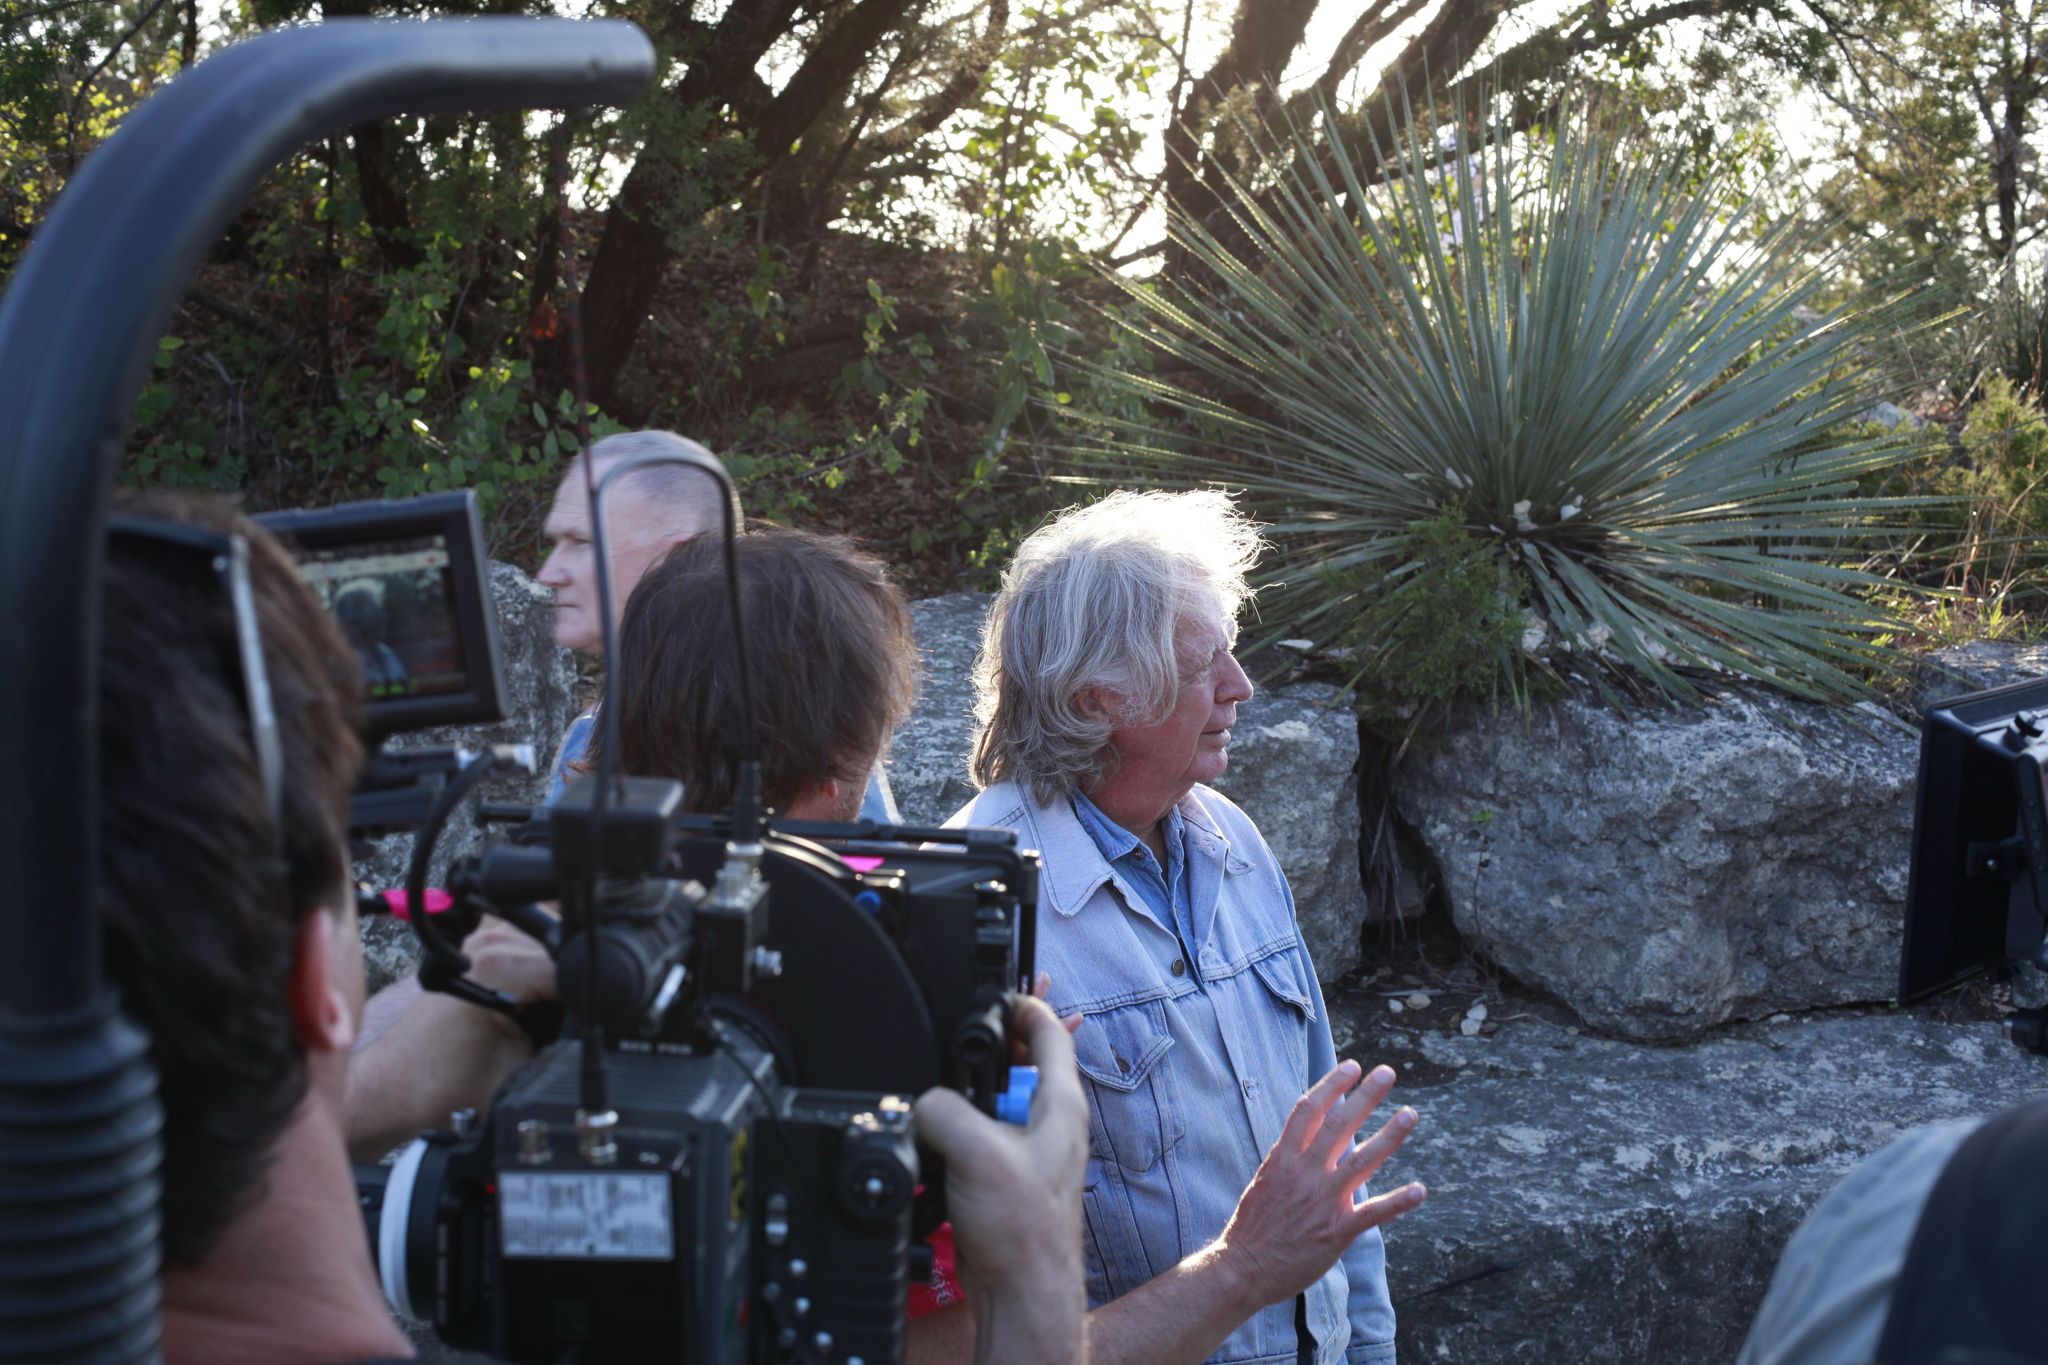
[79,1119]
[1978,895]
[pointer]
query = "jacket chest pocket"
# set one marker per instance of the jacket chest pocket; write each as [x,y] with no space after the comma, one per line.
[1289,991]
[1136,1118]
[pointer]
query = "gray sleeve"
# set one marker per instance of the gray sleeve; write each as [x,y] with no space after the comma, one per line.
[1833,1286]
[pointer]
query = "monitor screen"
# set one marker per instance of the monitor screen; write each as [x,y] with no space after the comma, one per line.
[395,602]
[407,583]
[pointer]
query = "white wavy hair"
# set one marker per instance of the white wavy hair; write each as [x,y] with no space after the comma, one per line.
[1093,599]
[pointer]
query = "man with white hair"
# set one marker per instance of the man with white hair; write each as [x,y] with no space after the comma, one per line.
[646,514]
[1107,695]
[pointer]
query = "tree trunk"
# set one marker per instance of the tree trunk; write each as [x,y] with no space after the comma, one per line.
[633,252]
[1263,36]
[384,203]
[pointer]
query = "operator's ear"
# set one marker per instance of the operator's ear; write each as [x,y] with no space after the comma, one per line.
[816,798]
[321,1016]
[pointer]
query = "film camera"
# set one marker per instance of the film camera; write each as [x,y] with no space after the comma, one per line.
[714,1160]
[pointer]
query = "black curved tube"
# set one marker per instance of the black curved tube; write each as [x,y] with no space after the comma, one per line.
[79,1117]
[77,329]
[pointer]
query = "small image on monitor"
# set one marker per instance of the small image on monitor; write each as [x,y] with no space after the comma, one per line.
[395,602]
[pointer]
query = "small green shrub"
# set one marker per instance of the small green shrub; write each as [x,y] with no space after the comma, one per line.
[1439,626]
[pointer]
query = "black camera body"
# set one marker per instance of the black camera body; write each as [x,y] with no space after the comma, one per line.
[747,1189]
[741,1220]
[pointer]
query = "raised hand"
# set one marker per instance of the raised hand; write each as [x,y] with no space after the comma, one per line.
[1299,1213]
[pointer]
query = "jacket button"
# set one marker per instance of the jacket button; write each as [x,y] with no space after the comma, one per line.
[1121,1064]
[1180,967]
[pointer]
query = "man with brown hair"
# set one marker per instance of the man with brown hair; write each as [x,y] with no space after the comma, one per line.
[830,661]
[828,639]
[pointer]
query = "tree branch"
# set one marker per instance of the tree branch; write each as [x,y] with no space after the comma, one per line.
[951,97]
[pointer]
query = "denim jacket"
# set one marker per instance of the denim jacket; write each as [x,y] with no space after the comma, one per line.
[1173,1138]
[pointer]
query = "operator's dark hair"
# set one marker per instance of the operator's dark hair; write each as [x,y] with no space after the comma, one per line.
[201,895]
[828,639]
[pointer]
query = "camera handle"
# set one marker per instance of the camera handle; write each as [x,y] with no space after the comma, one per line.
[443,965]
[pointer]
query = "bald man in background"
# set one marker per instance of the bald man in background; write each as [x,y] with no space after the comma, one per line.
[646,514]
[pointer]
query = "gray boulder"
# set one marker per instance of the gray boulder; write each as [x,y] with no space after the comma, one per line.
[540,701]
[1976,667]
[927,762]
[1293,767]
[1891,416]
[1294,770]
[1595,1200]
[1670,870]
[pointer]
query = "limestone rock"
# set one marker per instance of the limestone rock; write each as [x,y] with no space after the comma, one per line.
[1293,760]
[927,762]
[1670,870]
[1891,415]
[1976,667]
[1294,770]
[1599,1200]
[540,701]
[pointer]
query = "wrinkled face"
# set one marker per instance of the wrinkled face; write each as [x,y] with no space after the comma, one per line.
[1191,743]
[571,568]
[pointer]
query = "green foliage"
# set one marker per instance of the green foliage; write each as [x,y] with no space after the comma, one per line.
[1440,620]
[2017,314]
[1610,370]
[2006,440]
[1999,507]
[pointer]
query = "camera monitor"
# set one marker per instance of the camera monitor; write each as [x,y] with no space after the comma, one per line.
[1979,885]
[406,583]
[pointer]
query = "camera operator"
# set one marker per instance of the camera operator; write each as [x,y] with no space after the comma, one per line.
[231,935]
[1107,692]
[648,514]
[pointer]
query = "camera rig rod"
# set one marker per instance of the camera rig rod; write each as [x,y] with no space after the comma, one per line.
[78,326]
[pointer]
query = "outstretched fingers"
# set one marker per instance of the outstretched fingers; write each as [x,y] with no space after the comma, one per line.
[1364,1160]
[1305,1120]
[1385,1208]
[1351,1112]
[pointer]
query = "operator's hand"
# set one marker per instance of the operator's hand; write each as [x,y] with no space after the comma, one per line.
[1015,1197]
[1042,987]
[506,958]
[1297,1216]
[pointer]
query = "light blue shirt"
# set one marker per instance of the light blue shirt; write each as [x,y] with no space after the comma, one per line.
[1164,890]
[1204,1024]
[879,803]
[1833,1286]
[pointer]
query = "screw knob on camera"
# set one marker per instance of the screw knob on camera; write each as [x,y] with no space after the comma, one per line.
[1014,1104]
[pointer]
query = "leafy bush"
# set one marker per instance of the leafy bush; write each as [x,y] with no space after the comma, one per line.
[2000,493]
[1440,627]
[1610,367]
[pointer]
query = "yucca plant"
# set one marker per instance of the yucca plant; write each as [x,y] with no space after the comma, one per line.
[1610,368]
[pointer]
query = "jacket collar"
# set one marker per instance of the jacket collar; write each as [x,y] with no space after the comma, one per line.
[1073,868]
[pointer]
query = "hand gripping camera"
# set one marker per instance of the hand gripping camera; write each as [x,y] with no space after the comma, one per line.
[747,1190]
